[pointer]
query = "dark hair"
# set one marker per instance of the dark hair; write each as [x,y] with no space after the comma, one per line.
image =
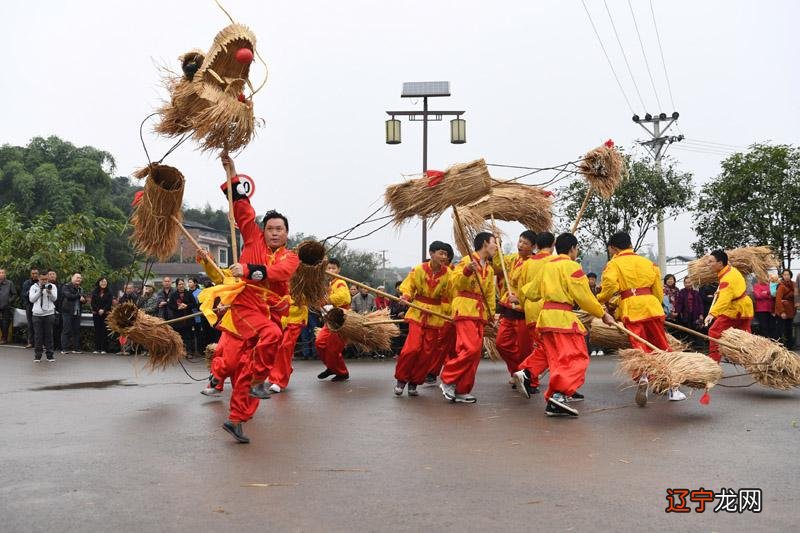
[397,284]
[481,239]
[565,242]
[787,270]
[720,256]
[545,239]
[208,283]
[529,236]
[97,283]
[620,240]
[196,283]
[449,250]
[436,246]
[335,262]
[670,276]
[51,270]
[177,280]
[271,214]
[591,275]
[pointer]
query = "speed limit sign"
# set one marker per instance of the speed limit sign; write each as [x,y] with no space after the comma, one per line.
[247,184]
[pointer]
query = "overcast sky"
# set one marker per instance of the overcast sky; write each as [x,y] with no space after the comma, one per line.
[531,76]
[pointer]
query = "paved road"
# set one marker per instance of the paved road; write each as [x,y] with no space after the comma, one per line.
[147,454]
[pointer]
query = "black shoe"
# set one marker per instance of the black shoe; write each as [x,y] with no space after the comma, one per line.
[430,379]
[326,374]
[559,405]
[260,391]
[341,377]
[576,397]
[212,381]
[236,431]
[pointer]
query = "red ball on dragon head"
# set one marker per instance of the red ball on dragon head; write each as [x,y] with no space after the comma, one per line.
[244,56]
[241,98]
[609,143]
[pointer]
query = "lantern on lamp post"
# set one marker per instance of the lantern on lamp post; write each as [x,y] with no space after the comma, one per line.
[458,131]
[392,131]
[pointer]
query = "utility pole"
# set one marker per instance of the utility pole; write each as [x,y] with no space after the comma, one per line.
[657,145]
[383,260]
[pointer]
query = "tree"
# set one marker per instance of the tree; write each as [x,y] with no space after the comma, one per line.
[752,202]
[43,244]
[634,207]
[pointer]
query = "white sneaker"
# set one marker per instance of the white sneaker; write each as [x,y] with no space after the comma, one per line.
[211,391]
[448,391]
[274,388]
[600,352]
[102,352]
[398,388]
[594,352]
[641,391]
[465,398]
[675,395]
[95,351]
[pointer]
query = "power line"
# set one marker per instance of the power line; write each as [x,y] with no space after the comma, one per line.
[614,72]
[625,56]
[726,145]
[647,63]
[661,50]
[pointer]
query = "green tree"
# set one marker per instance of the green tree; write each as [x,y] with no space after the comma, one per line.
[752,202]
[43,244]
[634,207]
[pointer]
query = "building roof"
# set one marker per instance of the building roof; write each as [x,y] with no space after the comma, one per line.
[682,258]
[176,269]
[196,225]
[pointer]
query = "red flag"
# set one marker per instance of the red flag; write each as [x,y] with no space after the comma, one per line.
[435,177]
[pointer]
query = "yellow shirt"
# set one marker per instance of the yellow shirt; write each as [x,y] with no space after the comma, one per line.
[298,314]
[633,276]
[468,302]
[447,295]
[339,294]
[426,289]
[563,285]
[532,273]
[732,300]
[515,265]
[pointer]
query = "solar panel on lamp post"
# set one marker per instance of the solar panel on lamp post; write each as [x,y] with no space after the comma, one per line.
[425,90]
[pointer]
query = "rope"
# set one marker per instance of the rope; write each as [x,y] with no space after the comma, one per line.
[188,374]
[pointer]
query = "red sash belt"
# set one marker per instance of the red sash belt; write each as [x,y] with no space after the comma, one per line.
[474,296]
[561,306]
[426,300]
[739,297]
[627,293]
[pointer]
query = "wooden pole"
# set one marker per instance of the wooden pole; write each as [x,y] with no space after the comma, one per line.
[379,322]
[584,205]
[469,250]
[390,296]
[502,261]
[637,337]
[700,335]
[231,219]
[196,245]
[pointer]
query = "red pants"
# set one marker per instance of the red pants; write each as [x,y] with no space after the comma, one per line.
[513,342]
[460,371]
[329,349]
[720,324]
[418,354]
[536,362]
[226,357]
[651,329]
[243,406]
[281,369]
[568,358]
[446,348]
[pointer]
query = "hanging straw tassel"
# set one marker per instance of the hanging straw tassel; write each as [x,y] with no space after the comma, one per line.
[371,332]
[667,370]
[756,260]
[155,210]
[435,192]
[309,285]
[164,344]
[604,170]
[770,363]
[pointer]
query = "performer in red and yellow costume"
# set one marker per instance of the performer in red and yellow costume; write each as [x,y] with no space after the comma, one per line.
[258,301]
[732,307]
[425,285]
[473,305]
[330,346]
[447,333]
[563,286]
[513,338]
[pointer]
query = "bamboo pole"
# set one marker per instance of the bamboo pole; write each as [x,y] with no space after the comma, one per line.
[637,337]
[379,322]
[231,219]
[390,296]
[502,261]
[480,285]
[700,335]
[196,245]
[584,205]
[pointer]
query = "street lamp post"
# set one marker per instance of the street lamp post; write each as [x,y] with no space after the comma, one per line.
[458,135]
